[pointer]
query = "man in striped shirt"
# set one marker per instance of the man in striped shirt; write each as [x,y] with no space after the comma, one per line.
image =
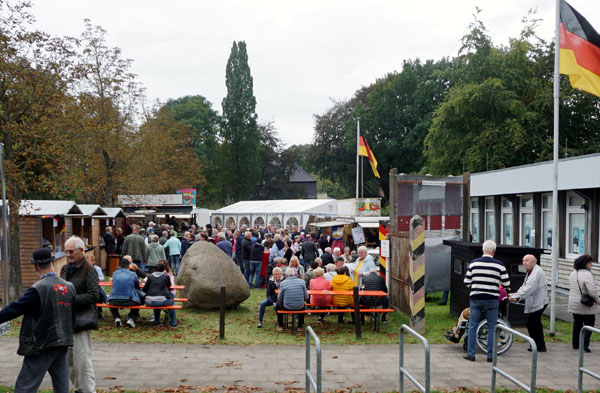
[484,276]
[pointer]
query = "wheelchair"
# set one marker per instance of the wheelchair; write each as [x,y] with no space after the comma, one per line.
[505,339]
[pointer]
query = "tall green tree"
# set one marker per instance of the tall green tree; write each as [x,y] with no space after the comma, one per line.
[240,134]
[205,124]
[35,112]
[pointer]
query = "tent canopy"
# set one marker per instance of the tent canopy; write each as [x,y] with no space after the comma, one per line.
[317,206]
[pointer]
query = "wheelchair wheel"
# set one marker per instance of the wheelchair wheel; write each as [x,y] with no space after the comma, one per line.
[505,339]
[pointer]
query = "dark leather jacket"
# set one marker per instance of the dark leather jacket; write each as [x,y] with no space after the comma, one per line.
[85,279]
[53,325]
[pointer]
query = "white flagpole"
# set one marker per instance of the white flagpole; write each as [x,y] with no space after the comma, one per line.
[357,156]
[555,231]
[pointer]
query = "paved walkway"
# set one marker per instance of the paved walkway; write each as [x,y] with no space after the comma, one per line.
[371,368]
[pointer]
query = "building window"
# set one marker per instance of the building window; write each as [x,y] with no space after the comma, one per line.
[547,221]
[490,222]
[576,231]
[527,231]
[475,220]
[507,222]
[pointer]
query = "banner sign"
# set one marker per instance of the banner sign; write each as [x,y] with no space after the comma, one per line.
[337,233]
[358,235]
[189,196]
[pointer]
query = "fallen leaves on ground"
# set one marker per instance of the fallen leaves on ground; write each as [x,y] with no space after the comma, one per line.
[230,363]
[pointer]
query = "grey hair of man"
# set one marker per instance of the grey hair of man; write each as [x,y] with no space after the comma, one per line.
[328,249]
[373,271]
[153,238]
[221,235]
[362,248]
[76,241]
[331,267]
[248,234]
[290,272]
[489,247]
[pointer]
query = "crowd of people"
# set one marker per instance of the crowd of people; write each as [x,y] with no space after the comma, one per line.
[315,259]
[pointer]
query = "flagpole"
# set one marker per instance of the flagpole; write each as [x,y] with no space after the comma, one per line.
[362,172]
[555,231]
[357,154]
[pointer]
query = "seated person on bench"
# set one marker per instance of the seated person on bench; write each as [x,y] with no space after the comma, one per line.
[319,283]
[158,293]
[292,295]
[374,282]
[125,292]
[341,282]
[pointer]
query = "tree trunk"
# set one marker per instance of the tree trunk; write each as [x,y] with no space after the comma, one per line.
[108,189]
[16,286]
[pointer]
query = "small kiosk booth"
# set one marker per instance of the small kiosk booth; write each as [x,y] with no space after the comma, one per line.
[44,223]
[463,253]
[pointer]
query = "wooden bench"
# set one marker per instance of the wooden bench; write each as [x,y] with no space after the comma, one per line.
[145,307]
[357,310]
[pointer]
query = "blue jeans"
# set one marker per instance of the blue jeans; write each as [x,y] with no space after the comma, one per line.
[174,261]
[254,273]
[166,302]
[480,309]
[246,269]
[263,305]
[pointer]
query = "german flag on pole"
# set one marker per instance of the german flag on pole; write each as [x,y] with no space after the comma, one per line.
[363,150]
[579,50]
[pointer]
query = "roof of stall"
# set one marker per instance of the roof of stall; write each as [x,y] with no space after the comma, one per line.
[91,210]
[285,206]
[38,208]
[113,212]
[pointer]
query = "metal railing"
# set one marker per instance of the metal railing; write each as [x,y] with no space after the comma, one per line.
[310,380]
[582,370]
[403,371]
[531,388]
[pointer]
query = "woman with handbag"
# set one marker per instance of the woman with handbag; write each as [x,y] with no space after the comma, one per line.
[584,303]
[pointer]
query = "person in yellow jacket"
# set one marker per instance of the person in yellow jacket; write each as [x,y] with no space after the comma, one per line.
[341,282]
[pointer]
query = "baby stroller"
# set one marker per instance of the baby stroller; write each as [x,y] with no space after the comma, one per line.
[505,339]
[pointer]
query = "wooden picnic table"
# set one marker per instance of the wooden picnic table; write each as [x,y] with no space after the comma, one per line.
[109,284]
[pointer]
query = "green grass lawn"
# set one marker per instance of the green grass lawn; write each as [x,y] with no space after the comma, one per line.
[202,327]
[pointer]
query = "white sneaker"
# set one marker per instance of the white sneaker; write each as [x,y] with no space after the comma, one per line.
[130,323]
[118,322]
[151,318]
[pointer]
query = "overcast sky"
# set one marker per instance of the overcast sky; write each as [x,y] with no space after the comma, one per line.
[301,53]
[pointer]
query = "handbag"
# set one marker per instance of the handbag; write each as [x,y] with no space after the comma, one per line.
[86,320]
[586,300]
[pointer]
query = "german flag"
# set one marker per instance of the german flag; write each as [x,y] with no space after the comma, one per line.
[363,150]
[579,50]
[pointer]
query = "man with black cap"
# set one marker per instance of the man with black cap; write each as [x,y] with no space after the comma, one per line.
[47,327]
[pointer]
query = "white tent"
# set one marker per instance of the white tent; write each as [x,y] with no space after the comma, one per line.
[279,213]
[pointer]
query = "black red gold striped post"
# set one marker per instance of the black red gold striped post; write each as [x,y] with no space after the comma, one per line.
[417,274]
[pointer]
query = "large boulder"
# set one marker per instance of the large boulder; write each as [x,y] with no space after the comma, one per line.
[204,270]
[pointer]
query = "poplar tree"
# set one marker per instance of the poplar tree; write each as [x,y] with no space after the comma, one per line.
[241,139]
